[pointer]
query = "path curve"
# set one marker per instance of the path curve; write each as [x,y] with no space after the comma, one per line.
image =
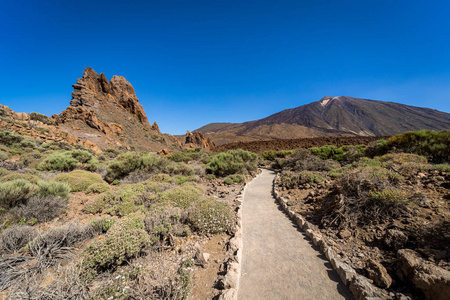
[278,260]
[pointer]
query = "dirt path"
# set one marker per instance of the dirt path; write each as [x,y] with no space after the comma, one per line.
[279,262]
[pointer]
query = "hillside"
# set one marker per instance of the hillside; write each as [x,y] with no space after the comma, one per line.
[332,116]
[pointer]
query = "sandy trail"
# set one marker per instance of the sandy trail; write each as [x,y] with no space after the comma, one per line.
[279,261]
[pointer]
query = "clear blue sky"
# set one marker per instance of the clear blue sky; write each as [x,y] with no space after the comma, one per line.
[196,62]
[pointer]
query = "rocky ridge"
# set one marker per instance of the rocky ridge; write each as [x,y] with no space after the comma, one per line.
[108,113]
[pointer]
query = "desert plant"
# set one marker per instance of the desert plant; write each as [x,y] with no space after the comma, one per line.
[25,176]
[53,188]
[40,208]
[129,162]
[233,162]
[15,237]
[16,191]
[124,240]
[233,179]
[79,180]
[68,161]
[9,138]
[97,188]
[210,216]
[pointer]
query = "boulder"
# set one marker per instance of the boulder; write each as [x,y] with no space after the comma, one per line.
[431,280]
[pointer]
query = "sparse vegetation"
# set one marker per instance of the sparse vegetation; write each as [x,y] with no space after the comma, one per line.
[81,180]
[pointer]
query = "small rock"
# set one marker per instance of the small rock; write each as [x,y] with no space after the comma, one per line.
[343,234]
[378,273]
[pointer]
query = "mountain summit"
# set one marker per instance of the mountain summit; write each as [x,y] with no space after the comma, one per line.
[340,116]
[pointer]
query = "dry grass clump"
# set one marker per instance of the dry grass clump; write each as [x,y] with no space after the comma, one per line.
[16,237]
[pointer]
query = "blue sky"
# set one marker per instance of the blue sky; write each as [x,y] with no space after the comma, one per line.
[196,62]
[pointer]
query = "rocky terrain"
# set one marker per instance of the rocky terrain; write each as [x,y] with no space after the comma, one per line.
[116,224]
[387,215]
[331,116]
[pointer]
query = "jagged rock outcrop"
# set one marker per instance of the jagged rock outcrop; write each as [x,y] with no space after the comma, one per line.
[39,127]
[198,140]
[108,113]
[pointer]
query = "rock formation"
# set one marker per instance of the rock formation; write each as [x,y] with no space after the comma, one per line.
[108,113]
[198,140]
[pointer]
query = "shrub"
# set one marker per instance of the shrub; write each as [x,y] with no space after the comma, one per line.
[183,179]
[56,146]
[124,240]
[292,180]
[233,162]
[271,155]
[14,192]
[303,159]
[40,208]
[68,161]
[126,199]
[16,237]
[233,179]
[40,117]
[102,225]
[178,168]
[179,157]
[25,176]
[53,188]
[9,138]
[3,172]
[210,216]
[97,188]
[328,152]
[432,144]
[183,196]
[129,162]
[161,224]
[3,156]
[54,244]
[368,196]
[80,180]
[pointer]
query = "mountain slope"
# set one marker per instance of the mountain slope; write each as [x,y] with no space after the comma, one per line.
[332,116]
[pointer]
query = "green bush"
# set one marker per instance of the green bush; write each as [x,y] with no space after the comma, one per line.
[183,196]
[3,172]
[9,138]
[68,161]
[26,176]
[328,152]
[80,180]
[178,168]
[129,162]
[16,191]
[123,241]
[271,155]
[432,144]
[53,188]
[97,188]
[179,157]
[233,162]
[3,156]
[233,179]
[40,117]
[102,225]
[127,199]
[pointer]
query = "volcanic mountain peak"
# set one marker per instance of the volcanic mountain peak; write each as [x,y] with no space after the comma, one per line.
[333,116]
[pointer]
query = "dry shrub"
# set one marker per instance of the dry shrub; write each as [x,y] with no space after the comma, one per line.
[166,279]
[16,237]
[40,208]
[365,196]
[58,242]
[66,285]
[303,159]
